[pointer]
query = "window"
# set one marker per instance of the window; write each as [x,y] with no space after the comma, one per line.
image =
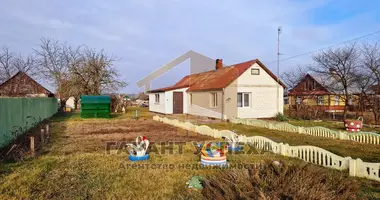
[255,71]
[191,99]
[336,100]
[320,100]
[243,99]
[299,100]
[214,99]
[310,85]
[157,98]
[350,100]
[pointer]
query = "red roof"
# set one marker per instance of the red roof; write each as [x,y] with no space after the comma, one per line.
[215,79]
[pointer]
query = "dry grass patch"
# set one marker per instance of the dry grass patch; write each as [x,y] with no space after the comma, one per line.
[367,152]
[84,136]
[282,181]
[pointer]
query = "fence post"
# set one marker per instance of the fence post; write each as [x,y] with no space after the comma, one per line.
[47,131]
[342,135]
[32,147]
[283,149]
[270,126]
[300,129]
[354,167]
[42,135]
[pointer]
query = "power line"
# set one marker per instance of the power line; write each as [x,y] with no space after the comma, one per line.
[347,41]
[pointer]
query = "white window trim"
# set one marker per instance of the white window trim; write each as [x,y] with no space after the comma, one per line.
[336,100]
[350,100]
[320,103]
[190,99]
[213,99]
[242,100]
[298,100]
[157,98]
[255,71]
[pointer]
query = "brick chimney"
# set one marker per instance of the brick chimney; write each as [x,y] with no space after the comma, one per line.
[219,63]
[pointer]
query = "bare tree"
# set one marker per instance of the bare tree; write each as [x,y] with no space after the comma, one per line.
[26,64]
[370,75]
[95,72]
[338,67]
[7,69]
[11,63]
[52,61]
[294,76]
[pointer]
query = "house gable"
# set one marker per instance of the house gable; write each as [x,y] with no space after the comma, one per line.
[309,86]
[22,85]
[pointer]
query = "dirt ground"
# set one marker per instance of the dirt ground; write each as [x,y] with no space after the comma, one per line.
[91,135]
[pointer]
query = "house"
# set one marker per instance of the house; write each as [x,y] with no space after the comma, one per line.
[141,99]
[244,90]
[22,85]
[319,93]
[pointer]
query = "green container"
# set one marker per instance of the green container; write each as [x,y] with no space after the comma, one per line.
[95,106]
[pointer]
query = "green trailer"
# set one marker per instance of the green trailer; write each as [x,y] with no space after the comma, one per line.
[95,106]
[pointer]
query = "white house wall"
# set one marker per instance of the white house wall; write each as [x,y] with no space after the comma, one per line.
[169,100]
[157,107]
[263,94]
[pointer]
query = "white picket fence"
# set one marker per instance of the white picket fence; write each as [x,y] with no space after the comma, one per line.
[309,154]
[362,137]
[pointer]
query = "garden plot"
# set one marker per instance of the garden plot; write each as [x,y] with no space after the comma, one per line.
[78,136]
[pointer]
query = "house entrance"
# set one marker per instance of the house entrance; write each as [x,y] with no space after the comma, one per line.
[177,102]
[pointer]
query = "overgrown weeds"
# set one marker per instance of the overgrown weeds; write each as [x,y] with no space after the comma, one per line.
[281,117]
[280,181]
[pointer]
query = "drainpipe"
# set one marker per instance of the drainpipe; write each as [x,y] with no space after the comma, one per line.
[223,104]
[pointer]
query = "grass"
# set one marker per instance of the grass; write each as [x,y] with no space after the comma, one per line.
[367,152]
[328,124]
[281,181]
[74,164]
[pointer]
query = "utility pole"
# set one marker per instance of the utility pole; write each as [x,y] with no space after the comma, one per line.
[279,30]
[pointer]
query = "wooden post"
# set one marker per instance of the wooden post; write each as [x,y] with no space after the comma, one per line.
[47,131]
[42,135]
[32,147]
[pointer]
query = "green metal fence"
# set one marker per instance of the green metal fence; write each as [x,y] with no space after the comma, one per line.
[17,115]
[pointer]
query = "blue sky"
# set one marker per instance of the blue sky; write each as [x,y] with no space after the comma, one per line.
[148,34]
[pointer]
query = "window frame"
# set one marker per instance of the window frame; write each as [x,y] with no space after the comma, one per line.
[336,100]
[350,100]
[298,100]
[320,100]
[243,98]
[191,99]
[255,71]
[213,99]
[157,98]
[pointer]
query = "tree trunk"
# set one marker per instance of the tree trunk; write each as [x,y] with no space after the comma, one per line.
[76,103]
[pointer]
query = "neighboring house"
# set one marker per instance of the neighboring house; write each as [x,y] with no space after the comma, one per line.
[22,85]
[244,90]
[141,99]
[321,94]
